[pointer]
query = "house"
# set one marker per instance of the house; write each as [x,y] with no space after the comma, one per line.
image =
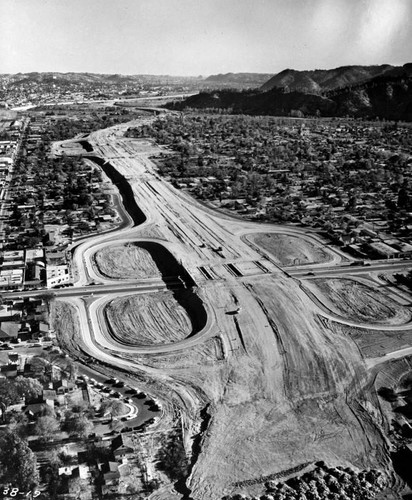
[80,471]
[43,329]
[63,386]
[121,446]
[49,394]
[110,472]
[9,371]
[9,331]
[34,410]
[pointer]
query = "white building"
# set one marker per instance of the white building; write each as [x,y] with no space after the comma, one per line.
[57,275]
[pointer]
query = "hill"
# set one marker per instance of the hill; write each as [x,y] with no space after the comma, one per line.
[388,96]
[235,79]
[274,102]
[319,81]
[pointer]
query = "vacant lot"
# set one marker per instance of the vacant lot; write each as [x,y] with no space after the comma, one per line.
[154,318]
[66,323]
[290,250]
[358,301]
[126,261]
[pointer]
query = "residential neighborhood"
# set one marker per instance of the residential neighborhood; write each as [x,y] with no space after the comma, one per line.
[348,179]
[43,207]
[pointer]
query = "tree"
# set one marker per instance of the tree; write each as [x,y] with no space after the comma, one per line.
[19,464]
[8,392]
[38,366]
[112,406]
[46,427]
[77,425]
[172,457]
[11,391]
[28,387]
[50,473]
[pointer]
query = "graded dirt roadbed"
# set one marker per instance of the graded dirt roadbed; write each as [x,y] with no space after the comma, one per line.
[279,385]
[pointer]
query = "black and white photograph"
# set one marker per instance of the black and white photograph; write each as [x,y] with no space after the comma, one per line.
[206,249]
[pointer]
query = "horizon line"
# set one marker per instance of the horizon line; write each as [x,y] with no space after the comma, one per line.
[202,75]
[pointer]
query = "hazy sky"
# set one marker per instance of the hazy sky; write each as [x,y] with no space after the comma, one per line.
[201,37]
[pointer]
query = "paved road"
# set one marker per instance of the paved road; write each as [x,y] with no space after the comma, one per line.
[387,266]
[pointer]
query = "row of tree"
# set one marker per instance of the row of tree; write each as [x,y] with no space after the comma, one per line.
[324,483]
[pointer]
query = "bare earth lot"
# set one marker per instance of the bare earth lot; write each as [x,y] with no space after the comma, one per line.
[126,261]
[290,250]
[357,301]
[148,319]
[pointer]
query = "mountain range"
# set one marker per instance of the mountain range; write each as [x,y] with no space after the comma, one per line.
[360,91]
[322,80]
[235,79]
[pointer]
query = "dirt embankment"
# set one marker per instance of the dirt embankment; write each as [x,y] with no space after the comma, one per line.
[155,318]
[290,250]
[357,301]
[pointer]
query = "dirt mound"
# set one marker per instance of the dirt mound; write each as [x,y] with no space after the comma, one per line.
[290,250]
